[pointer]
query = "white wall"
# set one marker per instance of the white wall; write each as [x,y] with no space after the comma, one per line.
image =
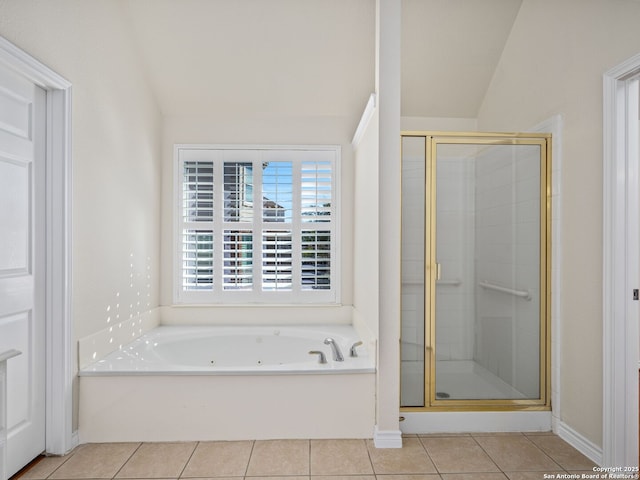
[439,124]
[552,64]
[365,235]
[115,153]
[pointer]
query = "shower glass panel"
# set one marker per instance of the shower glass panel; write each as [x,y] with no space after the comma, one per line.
[412,370]
[475,225]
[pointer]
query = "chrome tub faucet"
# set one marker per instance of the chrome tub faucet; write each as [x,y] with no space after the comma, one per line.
[337,354]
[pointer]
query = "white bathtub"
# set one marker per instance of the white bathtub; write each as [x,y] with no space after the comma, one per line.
[229,383]
[242,350]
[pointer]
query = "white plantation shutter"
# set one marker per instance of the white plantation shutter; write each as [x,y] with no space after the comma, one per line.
[197,259]
[277,264]
[316,191]
[197,191]
[238,260]
[316,259]
[256,224]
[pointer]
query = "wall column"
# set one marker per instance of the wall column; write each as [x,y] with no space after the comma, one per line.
[388,28]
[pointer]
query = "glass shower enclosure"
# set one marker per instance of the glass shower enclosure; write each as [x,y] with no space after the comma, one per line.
[475,271]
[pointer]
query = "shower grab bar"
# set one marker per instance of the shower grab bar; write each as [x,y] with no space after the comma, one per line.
[498,288]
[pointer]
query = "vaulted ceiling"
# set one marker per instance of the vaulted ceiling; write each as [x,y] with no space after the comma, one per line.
[302,58]
[450,49]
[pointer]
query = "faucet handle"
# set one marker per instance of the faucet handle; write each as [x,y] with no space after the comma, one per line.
[352,352]
[321,356]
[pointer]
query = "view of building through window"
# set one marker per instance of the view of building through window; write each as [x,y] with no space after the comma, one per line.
[233,242]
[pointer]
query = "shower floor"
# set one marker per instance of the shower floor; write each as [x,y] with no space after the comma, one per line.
[466,380]
[459,379]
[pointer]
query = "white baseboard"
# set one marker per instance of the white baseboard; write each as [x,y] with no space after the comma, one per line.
[387,438]
[579,442]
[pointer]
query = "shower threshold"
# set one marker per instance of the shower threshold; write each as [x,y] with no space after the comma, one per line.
[467,380]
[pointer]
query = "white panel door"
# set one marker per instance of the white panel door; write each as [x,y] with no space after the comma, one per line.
[22,276]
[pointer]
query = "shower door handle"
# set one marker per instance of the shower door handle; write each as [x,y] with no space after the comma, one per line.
[438,271]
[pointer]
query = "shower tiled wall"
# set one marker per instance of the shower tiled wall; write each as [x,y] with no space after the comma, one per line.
[454,251]
[454,303]
[507,254]
[413,228]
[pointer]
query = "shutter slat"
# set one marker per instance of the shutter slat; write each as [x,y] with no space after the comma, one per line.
[197,188]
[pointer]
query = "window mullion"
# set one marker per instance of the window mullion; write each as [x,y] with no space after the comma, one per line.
[296,223]
[178,260]
[236,232]
[335,226]
[218,236]
[257,226]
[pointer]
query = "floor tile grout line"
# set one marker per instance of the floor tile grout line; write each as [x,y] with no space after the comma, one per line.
[362,440]
[189,459]
[465,473]
[23,471]
[69,455]
[246,469]
[546,454]
[515,471]
[366,446]
[550,457]
[424,447]
[530,441]
[490,457]
[380,476]
[127,460]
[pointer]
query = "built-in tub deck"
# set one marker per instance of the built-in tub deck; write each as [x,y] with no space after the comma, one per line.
[243,350]
[230,383]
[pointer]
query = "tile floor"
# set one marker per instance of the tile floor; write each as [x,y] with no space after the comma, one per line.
[514,456]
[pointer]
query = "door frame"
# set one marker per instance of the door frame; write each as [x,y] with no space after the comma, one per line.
[59,437]
[621,265]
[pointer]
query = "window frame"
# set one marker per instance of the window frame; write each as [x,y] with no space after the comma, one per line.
[220,154]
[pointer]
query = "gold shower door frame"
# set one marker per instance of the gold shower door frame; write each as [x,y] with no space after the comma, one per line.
[432,140]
